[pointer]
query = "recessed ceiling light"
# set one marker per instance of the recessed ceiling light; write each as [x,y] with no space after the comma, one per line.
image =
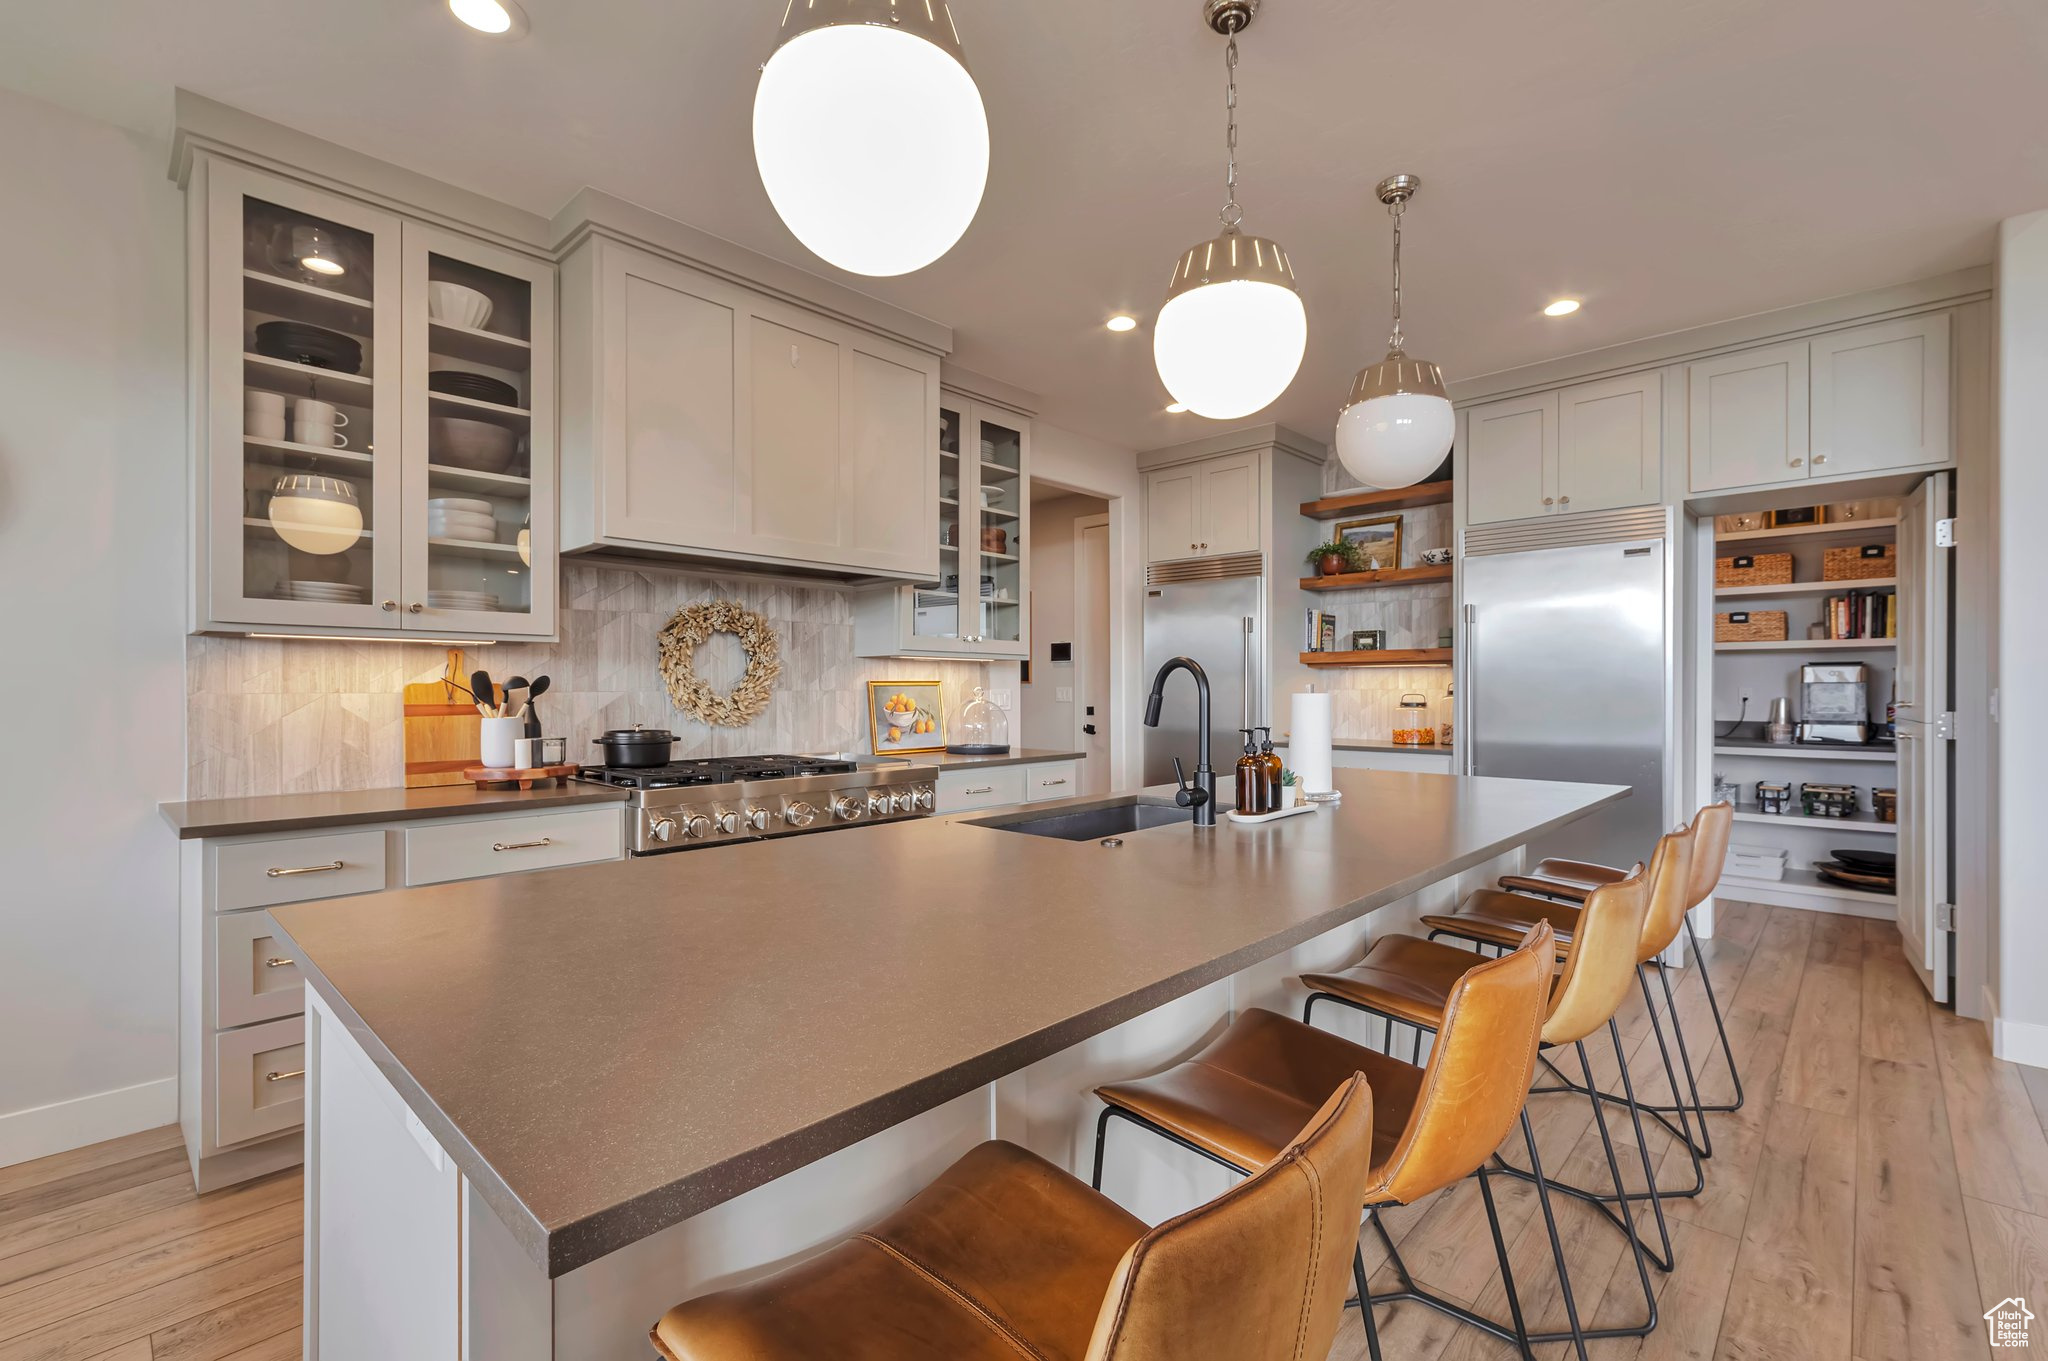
[1120,322]
[1563,307]
[500,18]
[1177,408]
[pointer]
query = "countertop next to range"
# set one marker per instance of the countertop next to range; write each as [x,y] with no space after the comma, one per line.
[610,1049]
[301,812]
[1016,756]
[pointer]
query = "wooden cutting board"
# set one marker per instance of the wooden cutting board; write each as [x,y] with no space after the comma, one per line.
[443,733]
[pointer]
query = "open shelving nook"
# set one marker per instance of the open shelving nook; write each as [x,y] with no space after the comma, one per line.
[1365,504]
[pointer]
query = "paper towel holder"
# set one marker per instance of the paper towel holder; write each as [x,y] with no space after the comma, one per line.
[1331,795]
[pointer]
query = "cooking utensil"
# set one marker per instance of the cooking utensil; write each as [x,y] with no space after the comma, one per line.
[481,690]
[510,707]
[535,691]
[636,748]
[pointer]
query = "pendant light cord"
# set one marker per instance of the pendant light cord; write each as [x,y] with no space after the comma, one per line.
[1394,210]
[1233,212]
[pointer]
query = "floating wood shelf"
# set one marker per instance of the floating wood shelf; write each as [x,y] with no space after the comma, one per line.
[1416,656]
[1809,588]
[1400,498]
[1401,576]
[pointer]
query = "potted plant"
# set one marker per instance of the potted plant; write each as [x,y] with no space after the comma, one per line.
[1335,558]
[1290,788]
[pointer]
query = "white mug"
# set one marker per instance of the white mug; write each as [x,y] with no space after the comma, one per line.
[311,411]
[322,434]
[263,414]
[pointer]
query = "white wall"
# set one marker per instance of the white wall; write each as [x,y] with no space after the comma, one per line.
[1110,471]
[92,574]
[2019,942]
[1048,719]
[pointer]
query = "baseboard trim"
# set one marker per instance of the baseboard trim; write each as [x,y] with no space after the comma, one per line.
[64,1125]
[2014,1041]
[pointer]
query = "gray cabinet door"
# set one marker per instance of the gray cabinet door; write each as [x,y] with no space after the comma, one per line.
[1170,501]
[891,466]
[1230,514]
[1748,418]
[1880,396]
[1610,443]
[1510,459]
[797,491]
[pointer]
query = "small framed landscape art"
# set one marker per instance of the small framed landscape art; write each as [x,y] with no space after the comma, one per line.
[1378,541]
[905,716]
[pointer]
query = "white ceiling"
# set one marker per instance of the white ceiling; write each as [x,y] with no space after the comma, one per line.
[1672,162]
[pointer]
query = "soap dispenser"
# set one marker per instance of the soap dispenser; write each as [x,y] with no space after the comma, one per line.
[1272,768]
[1251,776]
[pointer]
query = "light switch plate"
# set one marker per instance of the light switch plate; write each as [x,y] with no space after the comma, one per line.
[1064,694]
[1001,697]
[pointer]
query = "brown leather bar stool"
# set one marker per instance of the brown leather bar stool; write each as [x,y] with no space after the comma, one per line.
[1500,917]
[1005,1256]
[1404,977]
[1432,1126]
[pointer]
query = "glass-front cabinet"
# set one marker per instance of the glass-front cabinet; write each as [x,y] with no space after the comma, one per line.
[377,443]
[980,604]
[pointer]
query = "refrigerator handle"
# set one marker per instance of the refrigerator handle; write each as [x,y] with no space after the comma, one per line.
[1467,742]
[1248,717]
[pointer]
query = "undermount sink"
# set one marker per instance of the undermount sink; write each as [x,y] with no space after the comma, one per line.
[1114,818]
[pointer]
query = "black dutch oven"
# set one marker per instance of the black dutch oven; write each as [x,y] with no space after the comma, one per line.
[635,748]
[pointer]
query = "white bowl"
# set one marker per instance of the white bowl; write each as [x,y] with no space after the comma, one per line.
[471,504]
[461,534]
[468,519]
[458,306]
[479,446]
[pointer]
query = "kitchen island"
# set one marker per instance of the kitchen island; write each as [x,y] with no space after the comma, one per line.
[544,1107]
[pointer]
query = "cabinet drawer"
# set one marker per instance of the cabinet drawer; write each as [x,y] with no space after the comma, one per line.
[442,851]
[294,869]
[1053,780]
[962,791]
[259,1080]
[253,978]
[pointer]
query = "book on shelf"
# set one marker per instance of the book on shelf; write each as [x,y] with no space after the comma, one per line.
[1861,614]
[1320,633]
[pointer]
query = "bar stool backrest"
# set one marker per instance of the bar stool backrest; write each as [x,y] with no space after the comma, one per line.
[1710,829]
[1600,963]
[1478,1074]
[1670,889]
[1260,1272]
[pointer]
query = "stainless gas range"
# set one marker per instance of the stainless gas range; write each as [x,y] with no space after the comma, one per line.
[689,804]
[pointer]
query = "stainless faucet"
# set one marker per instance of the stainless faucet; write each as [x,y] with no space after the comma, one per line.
[1201,795]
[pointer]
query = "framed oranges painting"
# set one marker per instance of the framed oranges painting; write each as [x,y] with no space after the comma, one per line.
[905,716]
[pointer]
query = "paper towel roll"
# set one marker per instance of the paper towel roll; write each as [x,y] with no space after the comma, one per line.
[1308,744]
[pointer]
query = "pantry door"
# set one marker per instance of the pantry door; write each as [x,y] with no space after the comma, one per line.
[1925,738]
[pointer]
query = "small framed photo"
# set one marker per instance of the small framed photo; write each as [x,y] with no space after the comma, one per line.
[1368,640]
[1378,540]
[1801,515]
[905,716]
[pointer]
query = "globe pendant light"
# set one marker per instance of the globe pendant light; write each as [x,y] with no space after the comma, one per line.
[1231,335]
[870,134]
[1396,427]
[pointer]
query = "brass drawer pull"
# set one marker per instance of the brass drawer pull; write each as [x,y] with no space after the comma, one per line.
[281,1077]
[278,962]
[520,845]
[985,789]
[1047,784]
[275,873]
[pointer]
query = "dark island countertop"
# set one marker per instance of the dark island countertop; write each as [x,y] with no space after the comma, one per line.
[609,1049]
[297,812]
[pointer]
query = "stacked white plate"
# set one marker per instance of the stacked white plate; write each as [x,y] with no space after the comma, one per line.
[325,592]
[461,517]
[463,600]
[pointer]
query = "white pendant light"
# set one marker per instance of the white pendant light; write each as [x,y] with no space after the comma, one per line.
[316,514]
[1231,335]
[870,134]
[1396,427]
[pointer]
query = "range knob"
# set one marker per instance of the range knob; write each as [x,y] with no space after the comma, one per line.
[902,801]
[850,806]
[728,821]
[661,829]
[879,803]
[799,815]
[696,825]
[923,798]
[757,818]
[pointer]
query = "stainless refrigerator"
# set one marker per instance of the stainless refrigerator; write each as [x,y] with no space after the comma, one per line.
[1570,669]
[1203,619]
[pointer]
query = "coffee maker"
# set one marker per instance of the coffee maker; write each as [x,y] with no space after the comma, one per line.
[1834,703]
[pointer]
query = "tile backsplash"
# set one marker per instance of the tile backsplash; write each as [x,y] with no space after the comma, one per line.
[272,716]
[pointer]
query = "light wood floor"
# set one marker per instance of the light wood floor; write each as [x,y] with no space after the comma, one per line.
[1886,1183]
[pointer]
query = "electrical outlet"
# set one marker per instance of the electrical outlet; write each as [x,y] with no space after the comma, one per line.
[1001,697]
[1064,694]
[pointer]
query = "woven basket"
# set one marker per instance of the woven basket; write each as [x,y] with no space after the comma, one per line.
[1754,569]
[1750,626]
[1860,562]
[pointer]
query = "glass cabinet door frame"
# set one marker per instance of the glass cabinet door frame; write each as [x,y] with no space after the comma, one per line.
[225,598]
[972,555]
[421,241]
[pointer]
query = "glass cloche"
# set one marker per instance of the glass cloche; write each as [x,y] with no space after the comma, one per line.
[979,727]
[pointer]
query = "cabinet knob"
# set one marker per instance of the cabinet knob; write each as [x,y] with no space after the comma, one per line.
[388,606]
[414,608]
[1820,458]
[1193,546]
[1205,548]
[1564,500]
[1549,501]
[1797,462]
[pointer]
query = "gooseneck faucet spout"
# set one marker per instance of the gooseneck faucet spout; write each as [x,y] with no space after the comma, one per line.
[1201,794]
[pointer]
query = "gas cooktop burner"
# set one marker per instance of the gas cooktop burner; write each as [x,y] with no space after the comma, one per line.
[716,770]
